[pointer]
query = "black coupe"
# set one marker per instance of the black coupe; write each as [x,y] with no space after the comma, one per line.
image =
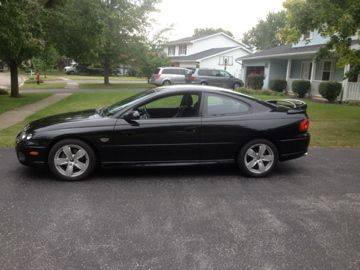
[169,125]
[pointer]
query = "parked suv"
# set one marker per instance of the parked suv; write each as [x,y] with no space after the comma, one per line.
[216,77]
[169,75]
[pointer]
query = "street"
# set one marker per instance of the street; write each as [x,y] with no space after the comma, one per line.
[306,215]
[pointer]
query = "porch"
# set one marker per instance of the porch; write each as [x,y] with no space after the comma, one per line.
[322,71]
[304,68]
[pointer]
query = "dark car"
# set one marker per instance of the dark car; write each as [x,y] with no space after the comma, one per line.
[174,124]
[215,77]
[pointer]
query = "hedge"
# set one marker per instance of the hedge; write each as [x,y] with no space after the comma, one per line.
[278,85]
[301,87]
[330,90]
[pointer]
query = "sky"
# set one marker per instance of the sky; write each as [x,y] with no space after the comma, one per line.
[238,16]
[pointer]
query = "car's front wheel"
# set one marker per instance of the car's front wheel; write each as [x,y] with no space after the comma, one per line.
[72,159]
[258,158]
[237,85]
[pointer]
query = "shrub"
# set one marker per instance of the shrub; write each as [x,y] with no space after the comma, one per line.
[278,85]
[255,81]
[3,92]
[330,90]
[301,87]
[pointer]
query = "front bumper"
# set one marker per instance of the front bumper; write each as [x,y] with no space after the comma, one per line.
[24,150]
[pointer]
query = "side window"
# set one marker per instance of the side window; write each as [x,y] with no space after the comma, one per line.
[217,105]
[224,74]
[183,105]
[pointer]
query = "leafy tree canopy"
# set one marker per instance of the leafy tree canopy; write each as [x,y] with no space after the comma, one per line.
[266,33]
[22,34]
[208,31]
[337,19]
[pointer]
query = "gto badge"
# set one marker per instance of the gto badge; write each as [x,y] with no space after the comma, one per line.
[104,140]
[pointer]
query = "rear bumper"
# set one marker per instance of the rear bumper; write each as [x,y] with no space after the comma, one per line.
[294,147]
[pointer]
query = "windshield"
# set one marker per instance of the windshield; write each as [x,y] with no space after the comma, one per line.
[112,109]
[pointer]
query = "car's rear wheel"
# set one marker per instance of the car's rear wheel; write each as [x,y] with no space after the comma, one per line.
[167,82]
[204,83]
[258,158]
[72,160]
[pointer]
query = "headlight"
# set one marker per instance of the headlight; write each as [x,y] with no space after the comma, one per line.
[24,135]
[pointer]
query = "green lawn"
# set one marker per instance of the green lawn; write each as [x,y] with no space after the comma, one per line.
[7,103]
[75,102]
[45,85]
[101,78]
[116,86]
[332,125]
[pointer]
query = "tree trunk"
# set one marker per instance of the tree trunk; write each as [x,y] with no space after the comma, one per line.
[106,72]
[14,79]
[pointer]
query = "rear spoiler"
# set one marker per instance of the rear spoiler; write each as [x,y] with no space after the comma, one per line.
[293,105]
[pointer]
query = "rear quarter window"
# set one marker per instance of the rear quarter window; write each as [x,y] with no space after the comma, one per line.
[218,105]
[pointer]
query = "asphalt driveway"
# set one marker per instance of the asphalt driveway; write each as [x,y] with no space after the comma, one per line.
[305,216]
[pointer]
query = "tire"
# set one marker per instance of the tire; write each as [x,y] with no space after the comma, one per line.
[167,82]
[237,85]
[253,163]
[64,163]
[204,83]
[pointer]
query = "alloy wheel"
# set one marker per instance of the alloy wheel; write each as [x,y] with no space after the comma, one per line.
[259,158]
[71,160]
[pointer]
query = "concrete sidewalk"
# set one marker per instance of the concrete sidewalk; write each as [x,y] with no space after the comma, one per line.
[17,115]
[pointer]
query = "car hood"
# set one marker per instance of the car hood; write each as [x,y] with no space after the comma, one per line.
[66,118]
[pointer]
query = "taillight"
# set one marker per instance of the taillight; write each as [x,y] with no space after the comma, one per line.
[304,125]
[192,78]
[157,76]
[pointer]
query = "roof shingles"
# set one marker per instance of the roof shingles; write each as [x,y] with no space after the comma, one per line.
[201,55]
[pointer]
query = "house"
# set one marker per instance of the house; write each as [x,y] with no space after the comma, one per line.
[217,51]
[296,62]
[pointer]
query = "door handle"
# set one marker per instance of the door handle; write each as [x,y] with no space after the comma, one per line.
[190,129]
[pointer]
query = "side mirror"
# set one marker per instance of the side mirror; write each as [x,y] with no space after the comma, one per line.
[132,116]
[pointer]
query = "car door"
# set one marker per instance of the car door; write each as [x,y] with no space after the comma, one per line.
[165,135]
[224,126]
[224,79]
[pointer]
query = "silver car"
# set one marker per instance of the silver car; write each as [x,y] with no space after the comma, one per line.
[215,77]
[169,75]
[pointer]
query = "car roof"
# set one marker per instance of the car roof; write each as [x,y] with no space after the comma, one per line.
[201,88]
[173,67]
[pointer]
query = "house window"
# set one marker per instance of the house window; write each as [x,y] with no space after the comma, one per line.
[182,49]
[171,50]
[228,60]
[326,71]
[306,68]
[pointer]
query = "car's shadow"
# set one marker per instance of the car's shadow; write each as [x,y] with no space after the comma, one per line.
[284,171]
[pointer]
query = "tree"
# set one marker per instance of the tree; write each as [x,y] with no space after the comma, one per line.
[208,31]
[337,19]
[21,34]
[150,54]
[266,33]
[124,23]
[46,60]
[76,29]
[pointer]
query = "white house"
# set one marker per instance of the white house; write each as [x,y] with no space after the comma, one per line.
[209,51]
[297,62]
